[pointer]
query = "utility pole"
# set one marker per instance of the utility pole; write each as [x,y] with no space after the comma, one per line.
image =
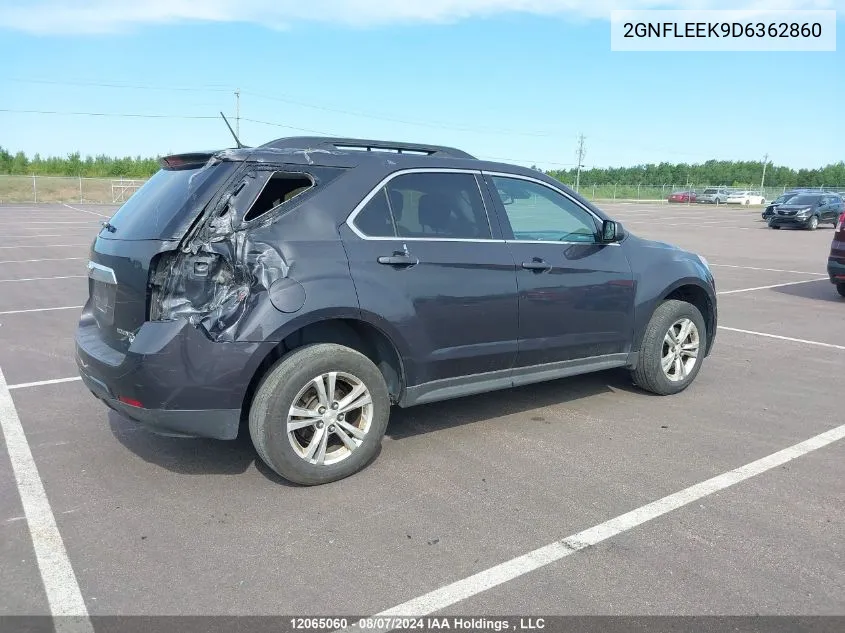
[763,181]
[581,153]
[238,112]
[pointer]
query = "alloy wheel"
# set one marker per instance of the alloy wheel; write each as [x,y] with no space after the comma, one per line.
[680,350]
[329,418]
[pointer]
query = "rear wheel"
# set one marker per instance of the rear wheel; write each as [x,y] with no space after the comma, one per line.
[320,414]
[672,348]
[840,288]
[813,223]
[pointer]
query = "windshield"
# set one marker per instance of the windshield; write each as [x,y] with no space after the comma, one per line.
[167,203]
[805,199]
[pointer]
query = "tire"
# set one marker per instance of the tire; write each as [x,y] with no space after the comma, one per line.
[774,226]
[813,223]
[649,374]
[292,380]
[747,202]
[840,288]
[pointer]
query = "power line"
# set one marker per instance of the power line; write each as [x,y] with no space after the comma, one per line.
[99,84]
[289,100]
[379,117]
[111,114]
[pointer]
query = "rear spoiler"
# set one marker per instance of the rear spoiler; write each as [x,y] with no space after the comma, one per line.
[185,161]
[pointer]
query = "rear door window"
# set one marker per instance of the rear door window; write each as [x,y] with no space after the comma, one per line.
[438,205]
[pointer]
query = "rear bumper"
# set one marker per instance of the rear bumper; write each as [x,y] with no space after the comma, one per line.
[836,270]
[219,424]
[186,383]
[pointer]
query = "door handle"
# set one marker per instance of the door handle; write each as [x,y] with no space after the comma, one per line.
[398,260]
[536,264]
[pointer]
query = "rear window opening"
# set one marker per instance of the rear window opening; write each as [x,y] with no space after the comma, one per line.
[281,187]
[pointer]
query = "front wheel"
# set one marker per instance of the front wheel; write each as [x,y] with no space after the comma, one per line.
[840,288]
[813,223]
[672,349]
[319,414]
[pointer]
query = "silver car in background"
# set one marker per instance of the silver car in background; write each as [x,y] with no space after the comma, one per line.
[714,195]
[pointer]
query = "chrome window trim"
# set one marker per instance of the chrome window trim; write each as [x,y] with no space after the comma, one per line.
[101,273]
[542,183]
[502,174]
[476,173]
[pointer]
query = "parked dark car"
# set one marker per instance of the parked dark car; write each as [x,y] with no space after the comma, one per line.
[682,196]
[808,210]
[301,288]
[836,259]
[782,199]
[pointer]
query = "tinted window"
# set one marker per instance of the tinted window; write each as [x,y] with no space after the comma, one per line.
[537,212]
[168,202]
[374,219]
[804,199]
[438,205]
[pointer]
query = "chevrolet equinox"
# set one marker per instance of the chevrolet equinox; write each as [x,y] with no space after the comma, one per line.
[303,287]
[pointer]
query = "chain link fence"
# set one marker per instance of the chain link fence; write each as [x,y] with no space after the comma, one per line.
[67,189]
[117,190]
[653,193]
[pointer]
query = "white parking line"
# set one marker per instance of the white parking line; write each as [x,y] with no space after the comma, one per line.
[41,383]
[85,211]
[88,222]
[41,310]
[782,338]
[45,245]
[49,259]
[60,584]
[42,235]
[791,283]
[509,570]
[771,270]
[42,278]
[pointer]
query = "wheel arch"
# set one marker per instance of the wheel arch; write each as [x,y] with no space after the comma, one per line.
[690,290]
[349,331]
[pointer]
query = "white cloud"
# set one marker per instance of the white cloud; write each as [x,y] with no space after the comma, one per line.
[106,16]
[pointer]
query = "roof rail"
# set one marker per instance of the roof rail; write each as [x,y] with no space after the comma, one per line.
[357,144]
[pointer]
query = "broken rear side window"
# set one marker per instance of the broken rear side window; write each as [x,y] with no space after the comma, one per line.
[280,187]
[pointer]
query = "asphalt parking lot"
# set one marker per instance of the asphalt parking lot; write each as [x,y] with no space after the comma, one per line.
[151,525]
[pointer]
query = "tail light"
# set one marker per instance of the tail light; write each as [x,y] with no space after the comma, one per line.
[841,224]
[203,288]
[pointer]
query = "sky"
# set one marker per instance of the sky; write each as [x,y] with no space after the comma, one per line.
[512,80]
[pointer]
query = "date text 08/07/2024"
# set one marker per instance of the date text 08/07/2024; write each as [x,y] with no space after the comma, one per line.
[384,623]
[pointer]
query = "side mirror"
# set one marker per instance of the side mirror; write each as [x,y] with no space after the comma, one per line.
[611,232]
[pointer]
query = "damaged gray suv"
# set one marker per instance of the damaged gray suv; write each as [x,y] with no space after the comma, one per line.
[300,289]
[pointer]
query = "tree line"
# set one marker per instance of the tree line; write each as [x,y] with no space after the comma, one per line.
[730,173]
[100,166]
[713,172]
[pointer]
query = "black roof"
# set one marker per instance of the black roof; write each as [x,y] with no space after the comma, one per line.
[368,145]
[345,152]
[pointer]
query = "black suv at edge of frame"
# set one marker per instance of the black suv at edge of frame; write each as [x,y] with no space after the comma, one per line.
[808,210]
[301,288]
